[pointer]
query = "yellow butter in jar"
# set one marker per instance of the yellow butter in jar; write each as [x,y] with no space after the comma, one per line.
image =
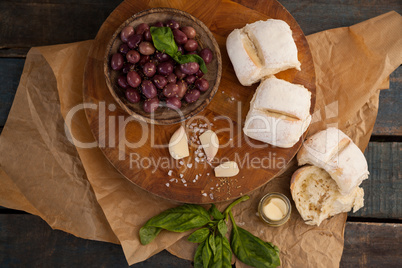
[274,209]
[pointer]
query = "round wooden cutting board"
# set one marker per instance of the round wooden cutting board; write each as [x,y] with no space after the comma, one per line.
[139,150]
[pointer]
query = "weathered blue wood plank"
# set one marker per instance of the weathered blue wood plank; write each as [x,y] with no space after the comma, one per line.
[10,72]
[27,241]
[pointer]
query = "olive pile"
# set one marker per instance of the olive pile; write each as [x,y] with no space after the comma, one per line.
[153,75]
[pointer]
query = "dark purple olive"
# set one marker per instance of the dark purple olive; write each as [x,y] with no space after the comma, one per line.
[171,78]
[122,81]
[144,59]
[190,79]
[127,67]
[146,48]
[133,79]
[165,68]
[182,89]
[133,95]
[173,24]
[171,90]
[161,57]
[189,32]
[191,45]
[159,81]
[180,49]
[140,29]
[149,69]
[126,33]
[124,48]
[151,105]
[133,56]
[201,84]
[206,55]
[180,75]
[134,40]
[199,73]
[117,61]
[147,36]
[173,103]
[158,24]
[189,68]
[179,37]
[192,95]
[148,89]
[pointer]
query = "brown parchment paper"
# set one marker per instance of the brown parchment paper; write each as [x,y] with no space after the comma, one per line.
[78,191]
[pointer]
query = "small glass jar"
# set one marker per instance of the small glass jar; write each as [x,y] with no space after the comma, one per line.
[265,200]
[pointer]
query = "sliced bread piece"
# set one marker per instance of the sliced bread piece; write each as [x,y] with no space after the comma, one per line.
[317,197]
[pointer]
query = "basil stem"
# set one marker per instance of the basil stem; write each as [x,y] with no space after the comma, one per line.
[241,199]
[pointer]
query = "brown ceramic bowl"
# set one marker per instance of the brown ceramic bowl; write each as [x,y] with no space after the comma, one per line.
[164,115]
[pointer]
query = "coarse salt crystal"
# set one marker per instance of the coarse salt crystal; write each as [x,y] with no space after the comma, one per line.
[197,160]
[201,154]
[212,188]
[207,174]
[181,175]
[172,180]
[204,194]
[189,165]
[181,163]
[211,196]
[196,177]
[183,180]
[194,180]
[202,131]
[170,172]
[185,185]
[167,184]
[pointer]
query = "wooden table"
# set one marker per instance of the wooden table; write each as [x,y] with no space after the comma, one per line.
[372,236]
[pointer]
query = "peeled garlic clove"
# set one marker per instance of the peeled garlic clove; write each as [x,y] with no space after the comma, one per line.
[210,144]
[178,146]
[227,169]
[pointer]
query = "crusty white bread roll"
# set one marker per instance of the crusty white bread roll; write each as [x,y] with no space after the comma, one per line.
[261,49]
[317,195]
[335,152]
[279,113]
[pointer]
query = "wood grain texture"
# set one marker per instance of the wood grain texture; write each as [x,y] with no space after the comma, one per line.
[143,164]
[382,191]
[10,72]
[389,116]
[27,241]
[372,245]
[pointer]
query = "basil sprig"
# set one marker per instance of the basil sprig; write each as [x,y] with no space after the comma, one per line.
[164,41]
[214,249]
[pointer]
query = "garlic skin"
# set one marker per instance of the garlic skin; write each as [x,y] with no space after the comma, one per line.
[178,145]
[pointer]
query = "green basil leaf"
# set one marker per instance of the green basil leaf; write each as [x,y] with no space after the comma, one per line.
[192,58]
[198,263]
[215,213]
[206,253]
[164,40]
[251,250]
[199,236]
[222,227]
[211,242]
[178,219]
[148,233]
[223,256]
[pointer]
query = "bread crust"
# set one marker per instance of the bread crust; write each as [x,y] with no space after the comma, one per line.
[261,49]
[336,153]
[279,113]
